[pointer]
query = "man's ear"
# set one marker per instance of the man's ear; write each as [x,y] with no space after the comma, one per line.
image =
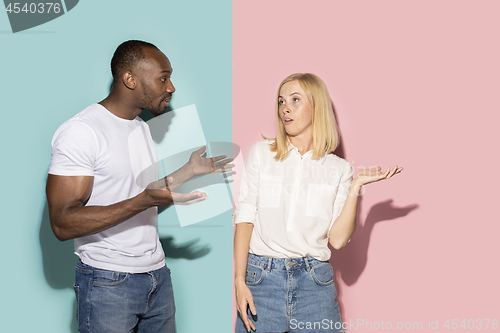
[128,80]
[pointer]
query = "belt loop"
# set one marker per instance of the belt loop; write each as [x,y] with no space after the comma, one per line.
[270,261]
[307,264]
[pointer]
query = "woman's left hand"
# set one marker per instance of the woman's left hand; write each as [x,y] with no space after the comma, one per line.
[375,174]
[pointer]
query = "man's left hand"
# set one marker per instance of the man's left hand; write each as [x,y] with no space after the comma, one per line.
[202,166]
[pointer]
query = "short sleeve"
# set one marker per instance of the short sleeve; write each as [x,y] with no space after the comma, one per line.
[246,208]
[74,150]
[342,191]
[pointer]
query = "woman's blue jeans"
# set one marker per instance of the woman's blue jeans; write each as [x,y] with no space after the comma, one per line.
[292,295]
[109,302]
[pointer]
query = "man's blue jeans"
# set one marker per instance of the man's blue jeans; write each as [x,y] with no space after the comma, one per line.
[109,301]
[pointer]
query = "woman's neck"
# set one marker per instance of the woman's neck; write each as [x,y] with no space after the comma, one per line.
[303,144]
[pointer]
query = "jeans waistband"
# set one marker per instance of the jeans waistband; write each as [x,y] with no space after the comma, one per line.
[269,263]
[85,268]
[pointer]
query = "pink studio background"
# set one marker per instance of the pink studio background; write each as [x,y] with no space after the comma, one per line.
[414,83]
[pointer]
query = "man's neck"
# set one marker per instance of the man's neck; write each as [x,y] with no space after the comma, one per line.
[120,106]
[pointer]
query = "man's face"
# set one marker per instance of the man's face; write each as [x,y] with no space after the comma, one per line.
[153,76]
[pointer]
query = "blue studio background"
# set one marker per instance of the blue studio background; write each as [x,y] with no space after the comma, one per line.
[51,72]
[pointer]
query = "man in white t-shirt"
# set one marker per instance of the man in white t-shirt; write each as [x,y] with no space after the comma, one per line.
[101,159]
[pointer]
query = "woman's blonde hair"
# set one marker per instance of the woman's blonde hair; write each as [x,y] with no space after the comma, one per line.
[325,130]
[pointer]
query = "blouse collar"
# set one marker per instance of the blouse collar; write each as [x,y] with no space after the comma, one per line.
[307,154]
[292,147]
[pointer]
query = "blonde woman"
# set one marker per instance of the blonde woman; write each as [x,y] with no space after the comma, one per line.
[296,197]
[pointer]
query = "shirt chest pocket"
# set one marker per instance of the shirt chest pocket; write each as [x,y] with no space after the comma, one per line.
[320,198]
[270,190]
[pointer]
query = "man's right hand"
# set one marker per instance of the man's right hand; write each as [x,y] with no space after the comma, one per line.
[158,194]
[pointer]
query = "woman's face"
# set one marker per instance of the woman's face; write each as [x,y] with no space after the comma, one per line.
[295,110]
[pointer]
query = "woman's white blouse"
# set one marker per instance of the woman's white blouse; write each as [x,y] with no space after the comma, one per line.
[293,203]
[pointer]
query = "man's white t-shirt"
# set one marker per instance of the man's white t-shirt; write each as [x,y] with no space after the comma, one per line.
[121,156]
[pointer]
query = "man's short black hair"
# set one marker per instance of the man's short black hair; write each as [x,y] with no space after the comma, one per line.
[127,55]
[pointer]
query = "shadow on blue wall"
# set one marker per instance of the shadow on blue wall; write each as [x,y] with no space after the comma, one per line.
[59,259]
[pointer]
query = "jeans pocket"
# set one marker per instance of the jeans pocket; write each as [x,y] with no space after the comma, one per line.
[255,275]
[105,278]
[322,274]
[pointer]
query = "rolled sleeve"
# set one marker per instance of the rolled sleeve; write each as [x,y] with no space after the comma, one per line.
[246,208]
[342,191]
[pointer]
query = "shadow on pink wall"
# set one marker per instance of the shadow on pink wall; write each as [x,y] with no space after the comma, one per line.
[349,262]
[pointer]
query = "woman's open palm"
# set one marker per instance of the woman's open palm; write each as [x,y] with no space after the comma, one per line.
[375,174]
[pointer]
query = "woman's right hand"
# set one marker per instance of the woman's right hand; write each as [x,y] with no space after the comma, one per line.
[244,299]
